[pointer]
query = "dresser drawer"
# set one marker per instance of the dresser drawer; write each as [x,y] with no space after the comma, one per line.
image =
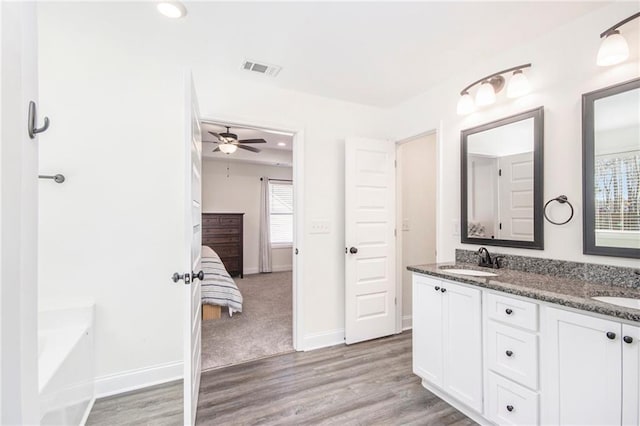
[231,264]
[513,353]
[210,220]
[227,250]
[512,311]
[509,403]
[212,241]
[218,230]
[230,220]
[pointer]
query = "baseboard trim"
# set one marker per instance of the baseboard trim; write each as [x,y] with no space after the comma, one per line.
[407,322]
[276,268]
[113,384]
[87,412]
[324,339]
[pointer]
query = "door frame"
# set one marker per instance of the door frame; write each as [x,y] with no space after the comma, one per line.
[297,131]
[399,236]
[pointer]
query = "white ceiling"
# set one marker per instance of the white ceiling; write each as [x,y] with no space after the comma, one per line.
[376,53]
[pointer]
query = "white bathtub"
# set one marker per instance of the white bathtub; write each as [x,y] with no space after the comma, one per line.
[65,363]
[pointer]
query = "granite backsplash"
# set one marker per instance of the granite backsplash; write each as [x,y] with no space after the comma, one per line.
[599,274]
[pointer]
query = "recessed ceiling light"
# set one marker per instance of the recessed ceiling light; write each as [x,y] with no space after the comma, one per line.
[282,144]
[172,9]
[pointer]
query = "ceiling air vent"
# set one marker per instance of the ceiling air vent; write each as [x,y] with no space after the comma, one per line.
[261,68]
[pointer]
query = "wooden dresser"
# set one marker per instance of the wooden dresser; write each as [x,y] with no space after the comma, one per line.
[223,233]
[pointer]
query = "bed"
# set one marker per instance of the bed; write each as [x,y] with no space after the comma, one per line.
[218,288]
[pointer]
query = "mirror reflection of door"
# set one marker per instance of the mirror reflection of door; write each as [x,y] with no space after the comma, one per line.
[500,182]
[617,170]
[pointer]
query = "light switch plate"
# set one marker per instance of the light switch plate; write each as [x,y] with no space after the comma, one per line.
[320,227]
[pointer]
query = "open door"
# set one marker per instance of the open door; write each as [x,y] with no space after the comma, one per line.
[193,247]
[370,287]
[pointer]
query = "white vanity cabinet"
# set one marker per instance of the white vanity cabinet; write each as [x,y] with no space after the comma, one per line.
[590,374]
[447,336]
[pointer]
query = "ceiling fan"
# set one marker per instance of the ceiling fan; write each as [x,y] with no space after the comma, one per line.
[228,142]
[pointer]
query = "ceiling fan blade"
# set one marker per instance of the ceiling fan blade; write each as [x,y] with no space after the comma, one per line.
[248,148]
[217,149]
[252,141]
[220,138]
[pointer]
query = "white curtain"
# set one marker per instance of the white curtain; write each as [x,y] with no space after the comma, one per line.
[265,227]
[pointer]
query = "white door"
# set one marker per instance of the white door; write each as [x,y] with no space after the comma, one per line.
[18,215]
[630,375]
[193,249]
[427,330]
[582,371]
[462,344]
[516,197]
[370,287]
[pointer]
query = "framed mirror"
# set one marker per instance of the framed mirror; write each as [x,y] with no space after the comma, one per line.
[611,170]
[501,182]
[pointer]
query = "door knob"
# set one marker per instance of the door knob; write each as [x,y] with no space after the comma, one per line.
[508,311]
[437,288]
[199,275]
[509,353]
[611,335]
[627,339]
[443,289]
[509,408]
[177,277]
[353,250]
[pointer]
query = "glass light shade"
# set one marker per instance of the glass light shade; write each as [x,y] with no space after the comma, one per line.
[466,104]
[518,85]
[227,148]
[486,95]
[613,50]
[172,9]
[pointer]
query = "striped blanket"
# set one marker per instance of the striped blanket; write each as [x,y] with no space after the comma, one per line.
[218,288]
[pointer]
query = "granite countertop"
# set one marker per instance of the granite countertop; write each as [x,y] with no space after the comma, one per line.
[569,292]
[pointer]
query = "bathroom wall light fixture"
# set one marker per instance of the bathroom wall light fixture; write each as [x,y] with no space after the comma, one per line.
[614,48]
[490,85]
[172,9]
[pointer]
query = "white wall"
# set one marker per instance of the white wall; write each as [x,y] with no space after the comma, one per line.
[240,193]
[417,174]
[112,231]
[564,67]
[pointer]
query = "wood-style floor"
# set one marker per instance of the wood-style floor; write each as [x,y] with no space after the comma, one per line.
[363,384]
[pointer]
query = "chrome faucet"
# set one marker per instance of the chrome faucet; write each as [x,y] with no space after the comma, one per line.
[485,260]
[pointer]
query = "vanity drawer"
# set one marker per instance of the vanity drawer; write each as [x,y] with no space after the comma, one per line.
[512,311]
[513,353]
[510,403]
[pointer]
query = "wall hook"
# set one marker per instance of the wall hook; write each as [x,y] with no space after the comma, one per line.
[33,117]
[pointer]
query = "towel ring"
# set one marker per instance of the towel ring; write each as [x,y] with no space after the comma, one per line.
[562,199]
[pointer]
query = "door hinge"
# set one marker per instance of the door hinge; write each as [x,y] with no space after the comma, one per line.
[395,301]
[395,232]
[500,225]
[499,172]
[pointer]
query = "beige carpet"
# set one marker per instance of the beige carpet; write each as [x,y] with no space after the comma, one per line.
[264,327]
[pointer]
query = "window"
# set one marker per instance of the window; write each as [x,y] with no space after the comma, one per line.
[617,179]
[281,209]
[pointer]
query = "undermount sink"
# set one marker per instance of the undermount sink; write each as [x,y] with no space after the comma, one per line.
[471,272]
[627,302]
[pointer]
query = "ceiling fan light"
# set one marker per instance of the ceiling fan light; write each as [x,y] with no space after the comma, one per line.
[486,95]
[613,50]
[518,85]
[228,148]
[172,9]
[465,104]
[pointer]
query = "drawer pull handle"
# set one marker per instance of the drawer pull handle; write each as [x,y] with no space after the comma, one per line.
[509,353]
[443,289]
[627,339]
[509,311]
[509,408]
[437,288]
[611,335]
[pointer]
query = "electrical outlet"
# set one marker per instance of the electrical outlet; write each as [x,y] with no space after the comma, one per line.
[320,227]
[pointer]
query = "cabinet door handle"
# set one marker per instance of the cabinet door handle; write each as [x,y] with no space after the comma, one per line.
[627,339]
[443,289]
[611,335]
[437,288]
[509,353]
[508,311]
[509,408]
